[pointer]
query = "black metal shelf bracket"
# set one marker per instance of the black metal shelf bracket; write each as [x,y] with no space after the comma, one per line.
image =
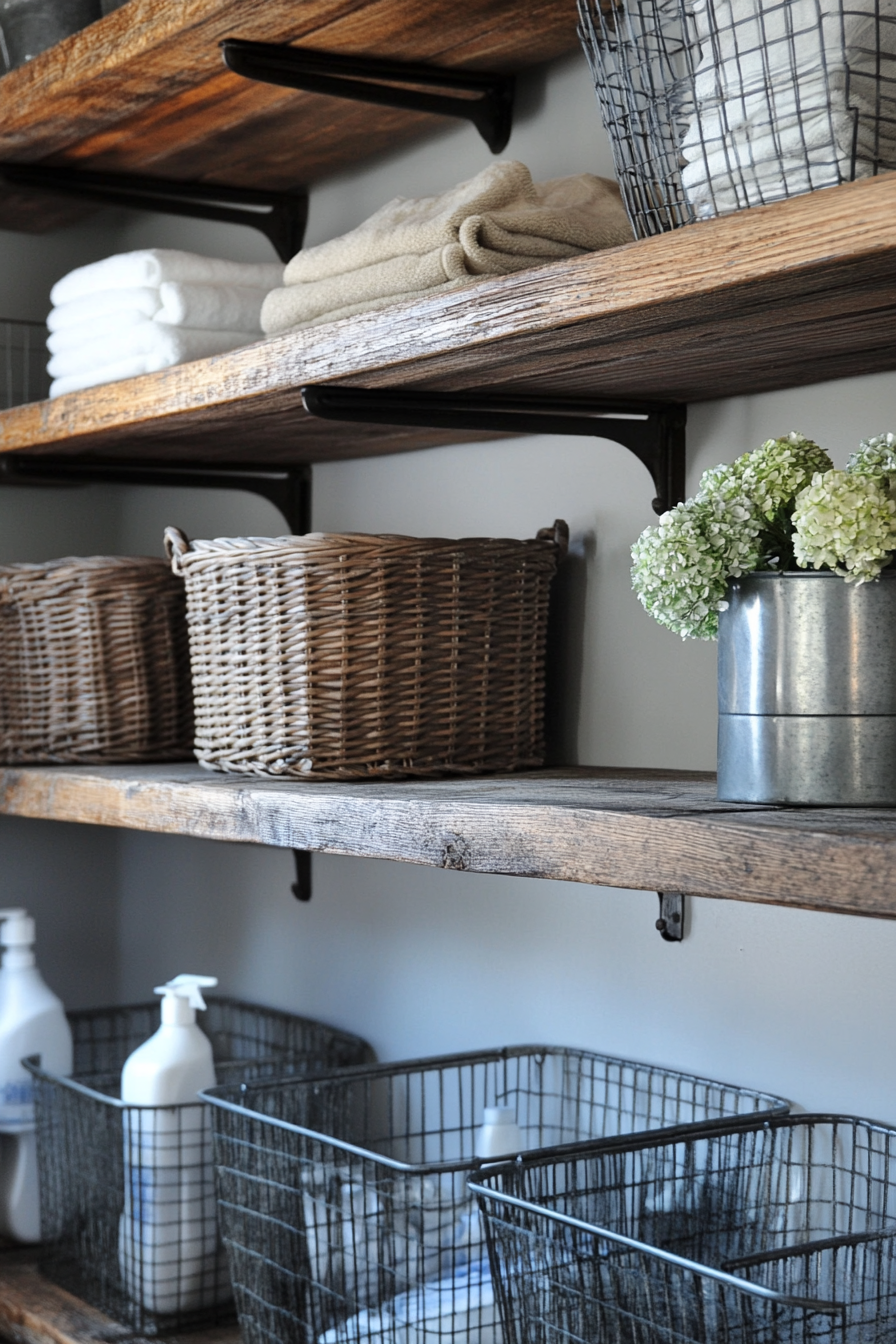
[488,104]
[280,216]
[672,911]
[654,432]
[301,888]
[287,488]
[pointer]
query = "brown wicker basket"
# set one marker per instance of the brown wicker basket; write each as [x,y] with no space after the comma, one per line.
[350,657]
[94,665]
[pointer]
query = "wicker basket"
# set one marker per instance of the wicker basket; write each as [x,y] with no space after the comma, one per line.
[93,662]
[350,657]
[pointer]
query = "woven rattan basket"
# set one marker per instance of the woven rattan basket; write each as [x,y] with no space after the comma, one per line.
[347,657]
[93,662]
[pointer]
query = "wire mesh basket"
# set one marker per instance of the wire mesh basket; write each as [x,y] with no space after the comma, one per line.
[23,363]
[714,105]
[128,1211]
[782,1232]
[344,1203]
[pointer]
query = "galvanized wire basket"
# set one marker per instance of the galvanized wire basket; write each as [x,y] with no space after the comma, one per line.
[23,363]
[344,1203]
[714,105]
[128,1210]
[782,1232]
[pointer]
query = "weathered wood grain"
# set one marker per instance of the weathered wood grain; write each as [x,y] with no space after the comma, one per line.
[144,89]
[654,830]
[35,1311]
[777,296]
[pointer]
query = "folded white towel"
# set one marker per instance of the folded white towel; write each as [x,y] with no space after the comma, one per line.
[107,302]
[786,95]
[153,266]
[156,348]
[205,307]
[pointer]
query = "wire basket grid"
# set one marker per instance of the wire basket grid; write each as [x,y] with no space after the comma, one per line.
[776,1233]
[128,1203]
[716,105]
[343,1201]
[23,372]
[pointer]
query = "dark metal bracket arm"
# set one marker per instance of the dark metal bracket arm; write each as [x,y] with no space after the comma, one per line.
[280,216]
[655,433]
[301,888]
[368,79]
[671,921]
[287,488]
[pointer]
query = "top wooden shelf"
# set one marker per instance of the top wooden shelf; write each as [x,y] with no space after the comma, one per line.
[143,90]
[657,830]
[773,297]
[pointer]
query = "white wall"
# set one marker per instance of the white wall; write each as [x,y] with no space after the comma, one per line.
[422,960]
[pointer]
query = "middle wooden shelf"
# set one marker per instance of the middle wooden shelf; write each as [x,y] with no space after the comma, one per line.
[773,297]
[655,830]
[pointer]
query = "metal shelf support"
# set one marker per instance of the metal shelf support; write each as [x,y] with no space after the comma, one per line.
[287,488]
[655,433]
[280,216]
[368,79]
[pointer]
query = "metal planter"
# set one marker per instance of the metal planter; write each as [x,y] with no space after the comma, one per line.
[807,690]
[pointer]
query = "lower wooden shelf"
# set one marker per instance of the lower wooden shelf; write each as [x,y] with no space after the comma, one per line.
[35,1311]
[651,829]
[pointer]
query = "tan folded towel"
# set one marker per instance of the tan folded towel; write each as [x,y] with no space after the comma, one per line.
[498,222]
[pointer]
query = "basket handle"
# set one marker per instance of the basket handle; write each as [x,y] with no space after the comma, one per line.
[177,545]
[559,535]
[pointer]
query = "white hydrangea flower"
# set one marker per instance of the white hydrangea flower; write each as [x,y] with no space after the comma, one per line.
[876,457]
[682,566]
[847,521]
[775,473]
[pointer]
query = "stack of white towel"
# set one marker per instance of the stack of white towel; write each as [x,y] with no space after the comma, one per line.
[138,312]
[786,91]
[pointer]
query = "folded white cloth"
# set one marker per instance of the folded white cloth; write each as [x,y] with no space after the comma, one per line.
[151,267]
[209,307]
[145,349]
[787,99]
[461,1306]
[498,222]
[107,302]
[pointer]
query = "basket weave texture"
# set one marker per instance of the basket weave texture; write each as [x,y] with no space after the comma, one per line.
[348,657]
[94,665]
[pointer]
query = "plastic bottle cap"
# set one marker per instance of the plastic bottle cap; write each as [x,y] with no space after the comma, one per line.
[16,928]
[499,1115]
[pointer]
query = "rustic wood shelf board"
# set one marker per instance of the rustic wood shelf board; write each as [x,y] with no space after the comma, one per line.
[778,296]
[145,90]
[35,1311]
[655,830]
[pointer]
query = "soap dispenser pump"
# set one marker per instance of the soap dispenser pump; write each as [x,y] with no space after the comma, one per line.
[168,1239]
[32,1022]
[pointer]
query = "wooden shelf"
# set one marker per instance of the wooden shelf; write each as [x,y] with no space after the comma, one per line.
[655,830]
[144,89]
[35,1311]
[773,297]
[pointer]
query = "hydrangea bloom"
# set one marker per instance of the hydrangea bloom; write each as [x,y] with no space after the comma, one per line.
[775,473]
[682,566]
[876,457]
[847,521]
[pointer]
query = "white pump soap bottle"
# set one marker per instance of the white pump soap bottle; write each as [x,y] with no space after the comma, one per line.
[168,1242]
[32,1022]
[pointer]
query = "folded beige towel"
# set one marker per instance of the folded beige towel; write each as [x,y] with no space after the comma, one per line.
[498,222]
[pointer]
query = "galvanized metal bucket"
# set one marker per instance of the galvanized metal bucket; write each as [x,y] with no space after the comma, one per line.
[807,690]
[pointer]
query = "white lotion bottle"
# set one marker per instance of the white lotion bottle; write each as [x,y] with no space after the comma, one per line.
[168,1241]
[500,1134]
[32,1022]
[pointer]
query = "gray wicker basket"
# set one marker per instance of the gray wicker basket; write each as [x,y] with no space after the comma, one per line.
[329,656]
